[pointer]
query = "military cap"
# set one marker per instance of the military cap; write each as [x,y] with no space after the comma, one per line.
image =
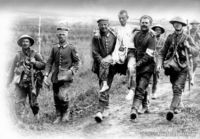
[158,26]
[62,27]
[194,22]
[103,20]
[178,20]
[19,42]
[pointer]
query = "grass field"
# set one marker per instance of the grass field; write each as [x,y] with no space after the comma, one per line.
[84,97]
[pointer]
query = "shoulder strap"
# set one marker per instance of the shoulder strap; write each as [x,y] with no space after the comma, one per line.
[183,38]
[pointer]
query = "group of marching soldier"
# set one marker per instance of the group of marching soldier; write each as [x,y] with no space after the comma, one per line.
[138,52]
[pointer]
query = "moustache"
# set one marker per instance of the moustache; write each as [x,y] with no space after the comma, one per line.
[144,26]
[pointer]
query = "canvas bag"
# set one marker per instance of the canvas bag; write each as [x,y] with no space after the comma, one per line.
[64,74]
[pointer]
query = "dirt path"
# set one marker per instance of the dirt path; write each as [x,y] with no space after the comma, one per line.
[117,124]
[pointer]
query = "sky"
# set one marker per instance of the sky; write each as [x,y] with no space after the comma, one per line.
[158,9]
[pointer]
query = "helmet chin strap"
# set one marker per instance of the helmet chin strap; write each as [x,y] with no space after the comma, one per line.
[178,30]
[158,35]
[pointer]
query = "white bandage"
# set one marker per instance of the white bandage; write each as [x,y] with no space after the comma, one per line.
[150,52]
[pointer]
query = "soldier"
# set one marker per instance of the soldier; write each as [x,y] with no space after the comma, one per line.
[195,34]
[26,75]
[66,60]
[103,45]
[125,32]
[159,30]
[145,45]
[174,56]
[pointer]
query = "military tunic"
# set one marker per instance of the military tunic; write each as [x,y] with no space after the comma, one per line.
[65,57]
[21,67]
[145,46]
[177,78]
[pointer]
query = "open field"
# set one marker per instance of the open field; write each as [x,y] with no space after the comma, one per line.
[84,96]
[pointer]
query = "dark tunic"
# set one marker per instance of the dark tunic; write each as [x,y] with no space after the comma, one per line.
[144,41]
[103,46]
[65,57]
[169,47]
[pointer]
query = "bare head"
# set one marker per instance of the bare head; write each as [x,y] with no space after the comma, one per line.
[145,22]
[123,17]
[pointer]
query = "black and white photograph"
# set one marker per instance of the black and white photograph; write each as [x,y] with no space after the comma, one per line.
[93,69]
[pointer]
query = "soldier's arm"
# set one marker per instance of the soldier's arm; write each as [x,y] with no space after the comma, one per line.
[75,60]
[49,63]
[149,54]
[193,49]
[39,63]
[95,51]
[163,51]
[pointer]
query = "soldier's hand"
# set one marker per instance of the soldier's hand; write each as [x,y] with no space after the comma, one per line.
[32,60]
[46,81]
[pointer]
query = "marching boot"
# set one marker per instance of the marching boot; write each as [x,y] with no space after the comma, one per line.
[104,87]
[134,110]
[98,117]
[134,114]
[170,115]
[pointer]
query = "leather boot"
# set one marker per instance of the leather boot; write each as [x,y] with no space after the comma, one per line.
[170,115]
[134,114]
[98,117]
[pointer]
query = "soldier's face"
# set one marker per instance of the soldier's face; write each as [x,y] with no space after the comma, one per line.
[178,26]
[123,19]
[103,27]
[145,24]
[62,37]
[26,43]
[158,31]
[195,26]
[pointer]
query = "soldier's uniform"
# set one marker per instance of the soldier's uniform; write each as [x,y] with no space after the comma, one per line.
[63,57]
[160,41]
[195,34]
[22,77]
[102,46]
[175,44]
[144,44]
